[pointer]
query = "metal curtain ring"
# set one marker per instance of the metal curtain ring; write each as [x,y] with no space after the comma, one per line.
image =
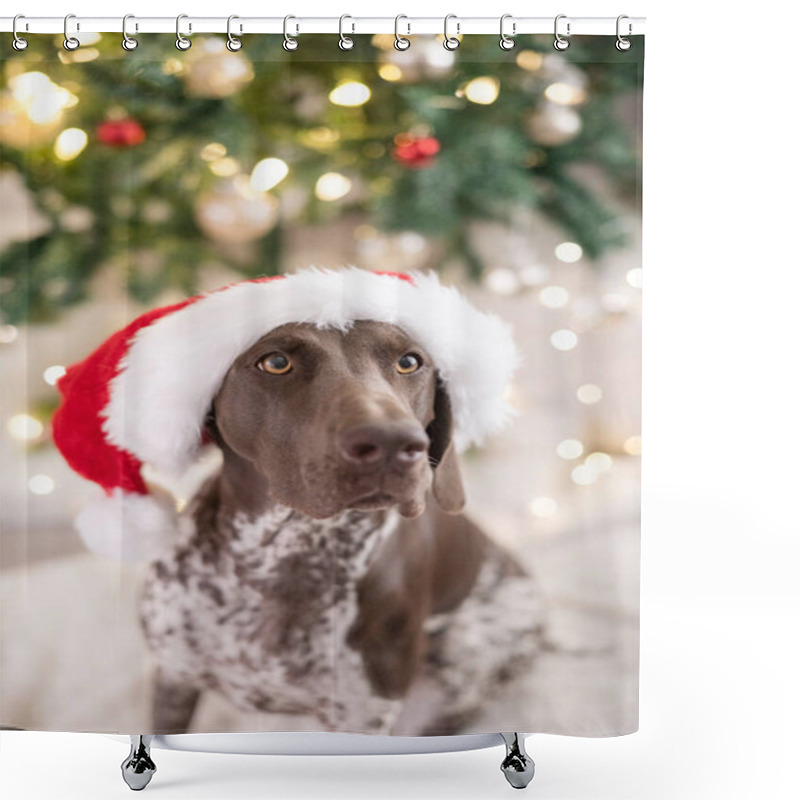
[233,44]
[288,42]
[128,42]
[506,42]
[70,42]
[19,43]
[345,42]
[560,42]
[181,42]
[400,42]
[450,42]
[622,43]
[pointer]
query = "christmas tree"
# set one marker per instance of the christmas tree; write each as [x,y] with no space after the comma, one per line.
[159,162]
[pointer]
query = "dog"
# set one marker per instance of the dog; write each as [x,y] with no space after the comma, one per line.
[328,568]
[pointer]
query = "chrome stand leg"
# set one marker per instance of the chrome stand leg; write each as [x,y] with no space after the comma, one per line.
[517,766]
[138,768]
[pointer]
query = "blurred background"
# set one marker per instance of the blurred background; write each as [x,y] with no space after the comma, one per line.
[131,180]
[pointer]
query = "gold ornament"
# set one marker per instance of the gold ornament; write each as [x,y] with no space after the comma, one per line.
[233,212]
[552,125]
[210,70]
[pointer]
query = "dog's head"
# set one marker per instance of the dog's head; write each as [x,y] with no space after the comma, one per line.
[337,419]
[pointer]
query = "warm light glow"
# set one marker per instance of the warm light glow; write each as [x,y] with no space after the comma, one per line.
[267,173]
[390,72]
[589,393]
[564,94]
[23,427]
[634,277]
[8,334]
[350,93]
[501,281]
[564,339]
[42,99]
[570,448]
[633,445]
[554,296]
[332,186]
[52,374]
[599,462]
[543,506]
[529,60]
[569,252]
[41,484]
[70,143]
[483,91]
[224,167]
[213,151]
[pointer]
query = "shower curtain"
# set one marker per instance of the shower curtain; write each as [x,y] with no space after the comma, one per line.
[159,202]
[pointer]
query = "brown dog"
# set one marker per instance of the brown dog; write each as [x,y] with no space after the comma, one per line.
[313,575]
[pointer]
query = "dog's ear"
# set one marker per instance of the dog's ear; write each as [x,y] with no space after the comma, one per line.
[447,486]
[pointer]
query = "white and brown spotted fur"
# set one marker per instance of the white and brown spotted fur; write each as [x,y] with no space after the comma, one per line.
[372,620]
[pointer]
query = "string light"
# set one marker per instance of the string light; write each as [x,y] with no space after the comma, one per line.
[634,277]
[24,427]
[41,484]
[224,167]
[569,252]
[529,60]
[8,334]
[599,462]
[213,151]
[483,91]
[52,374]
[565,94]
[390,72]
[569,449]
[554,296]
[267,173]
[501,281]
[70,143]
[589,394]
[332,186]
[564,339]
[43,100]
[350,93]
[543,507]
[633,445]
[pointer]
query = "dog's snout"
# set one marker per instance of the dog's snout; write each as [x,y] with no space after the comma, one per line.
[402,443]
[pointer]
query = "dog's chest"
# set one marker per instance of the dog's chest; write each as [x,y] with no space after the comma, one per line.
[265,620]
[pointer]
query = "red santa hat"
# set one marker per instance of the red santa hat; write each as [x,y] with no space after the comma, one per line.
[142,397]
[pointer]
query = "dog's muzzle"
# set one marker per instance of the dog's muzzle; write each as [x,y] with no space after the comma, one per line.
[394,445]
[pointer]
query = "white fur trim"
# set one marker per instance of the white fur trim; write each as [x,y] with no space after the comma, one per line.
[128,527]
[175,366]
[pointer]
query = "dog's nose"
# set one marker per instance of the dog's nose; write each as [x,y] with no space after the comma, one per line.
[402,443]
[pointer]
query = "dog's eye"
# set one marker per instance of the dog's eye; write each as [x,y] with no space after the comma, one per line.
[275,364]
[408,363]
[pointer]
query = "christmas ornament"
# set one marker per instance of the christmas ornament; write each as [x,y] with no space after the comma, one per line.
[234,212]
[416,152]
[120,133]
[426,59]
[552,125]
[210,70]
[141,398]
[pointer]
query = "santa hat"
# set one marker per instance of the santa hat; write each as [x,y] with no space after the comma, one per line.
[142,397]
